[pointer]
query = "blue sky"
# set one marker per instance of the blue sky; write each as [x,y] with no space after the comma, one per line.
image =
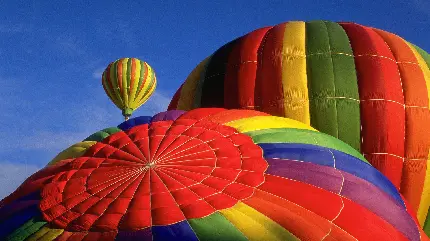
[52,55]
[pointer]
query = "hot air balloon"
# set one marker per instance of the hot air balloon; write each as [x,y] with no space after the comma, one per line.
[208,174]
[129,82]
[365,86]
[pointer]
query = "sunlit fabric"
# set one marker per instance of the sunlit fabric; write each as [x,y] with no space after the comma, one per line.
[368,87]
[208,174]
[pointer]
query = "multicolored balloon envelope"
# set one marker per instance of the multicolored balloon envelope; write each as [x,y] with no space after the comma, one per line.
[129,82]
[365,86]
[208,174]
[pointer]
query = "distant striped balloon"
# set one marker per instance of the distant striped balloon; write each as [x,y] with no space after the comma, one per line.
[365,86]
[129,82]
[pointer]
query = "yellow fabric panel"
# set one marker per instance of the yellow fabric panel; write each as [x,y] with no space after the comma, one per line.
[133,88]
[266,122]
[148,80]
[45,234]
[110,93]
[425,196]
[189,89]
[118,100]
[254,225]
[294,79]
[149,94]
[124,82]
[73,151]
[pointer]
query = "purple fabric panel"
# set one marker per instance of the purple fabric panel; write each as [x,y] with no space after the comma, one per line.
[167,115]
[356,189]
[325,177]
[143,234]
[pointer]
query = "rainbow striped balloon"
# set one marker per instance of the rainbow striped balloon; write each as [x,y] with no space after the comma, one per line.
[208,174]
[363,85]
[129,82]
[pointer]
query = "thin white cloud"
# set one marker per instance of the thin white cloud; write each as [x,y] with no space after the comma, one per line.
[13,174]
[97,74]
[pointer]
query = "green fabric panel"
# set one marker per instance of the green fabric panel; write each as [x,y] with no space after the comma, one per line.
[215,227]
[320,79]
[129,62]
[100,135]
[424,54]
[300,136]
[151,83]
[346,86]
[30,227]
[114,80]
[426,227]
[199,88]
[143,70]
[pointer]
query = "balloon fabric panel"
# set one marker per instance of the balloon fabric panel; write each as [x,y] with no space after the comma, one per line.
[196,176]
[365,86]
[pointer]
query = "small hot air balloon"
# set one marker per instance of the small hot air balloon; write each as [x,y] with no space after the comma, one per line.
[367,87]
[129,82]
[208,175]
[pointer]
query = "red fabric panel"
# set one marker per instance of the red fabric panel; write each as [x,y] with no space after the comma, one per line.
[239,82]
[417,118]
[303,223]
[327,205]
[383,121]
[268,83]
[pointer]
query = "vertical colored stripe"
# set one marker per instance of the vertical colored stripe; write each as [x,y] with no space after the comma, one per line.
[294,74]
[124,79]
[190,92]
[216,227]
[119,73]
[322,101]
[416,104]
[213,85]
[115,85]
[109,86]
[129,77]
[254,225]
[145,72]
[135,70]
[268,83]
[382,102]
[346,86]
[239,87]
[146,87]
[424,208]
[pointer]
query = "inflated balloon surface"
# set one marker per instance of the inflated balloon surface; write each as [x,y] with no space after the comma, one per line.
[365,86]
[129,82]
[208,174]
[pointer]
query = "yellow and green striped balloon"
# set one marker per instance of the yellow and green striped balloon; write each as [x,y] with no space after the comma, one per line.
[129,82]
